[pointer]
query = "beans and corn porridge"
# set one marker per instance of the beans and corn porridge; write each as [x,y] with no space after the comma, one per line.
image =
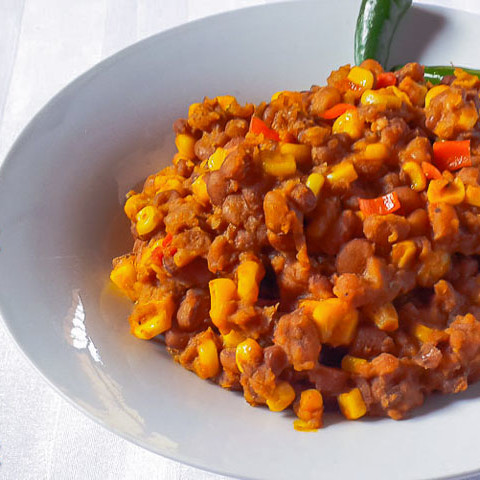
[320,250]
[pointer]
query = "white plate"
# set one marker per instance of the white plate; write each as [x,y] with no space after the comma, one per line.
[61,222]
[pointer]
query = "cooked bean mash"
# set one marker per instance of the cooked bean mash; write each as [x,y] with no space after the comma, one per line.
[319,250]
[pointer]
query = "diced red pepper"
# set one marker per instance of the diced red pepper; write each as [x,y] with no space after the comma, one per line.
[452,155]
[167,240]
[159,253]
[157,256]
[337,110]
[380,206]
[386,79]
[431,171]
[258,126]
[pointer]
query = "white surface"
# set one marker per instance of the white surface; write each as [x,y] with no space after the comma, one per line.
[44,44]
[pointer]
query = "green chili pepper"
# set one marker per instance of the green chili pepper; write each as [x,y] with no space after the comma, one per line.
[435,74]
[376,25]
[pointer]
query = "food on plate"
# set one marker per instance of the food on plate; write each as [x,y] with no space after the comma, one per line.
[318,251]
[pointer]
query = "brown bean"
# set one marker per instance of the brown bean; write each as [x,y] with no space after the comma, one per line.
[386,229]
[419,224]
[217,186]
[181,126]
[418,150]
[276,359]
[221,255]
[227,359]
[278,216]
[409,199]
[323,99]
[329,380]
[303,198]
[193,310]
[298,336]
[177,339]
[353,256]
[234,209]
[237,127]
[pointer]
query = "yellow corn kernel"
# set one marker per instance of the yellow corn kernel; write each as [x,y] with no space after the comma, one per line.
[301,152]
[352,404]
[472,195]
[147,220]
[442,190]
[124,276]
[468,118]
[193,107]
[433,92]
[276,95]
[464,79]
[336,321]
[384,316]
[295,97]
[310,400]
[185,145]
[206,364]
[403,254]
[414,91]
[199,189]
[376,151]
[248,352]
[361,76]
[435,264]
[399,94]
[216,159]
[353,364]
[380,97]
[282,397]
[306,425]
[277,164]
[308,305]
[133,205]
[309,411]
[153,318]
[249,276]
[315,182]
[416,175]
[349,123]
[428,335]
[342,174]
[164,183]
[360,215]
[232,339]
[223,293]
[225,101]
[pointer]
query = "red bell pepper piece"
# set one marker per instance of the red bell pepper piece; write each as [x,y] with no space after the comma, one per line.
[380,206]
[157,256]
[167,240]
[452,155]
[258,126]
[431,171]
[386,79]
[337,110]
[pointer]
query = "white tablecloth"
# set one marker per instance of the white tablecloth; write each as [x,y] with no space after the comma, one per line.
[44,44]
